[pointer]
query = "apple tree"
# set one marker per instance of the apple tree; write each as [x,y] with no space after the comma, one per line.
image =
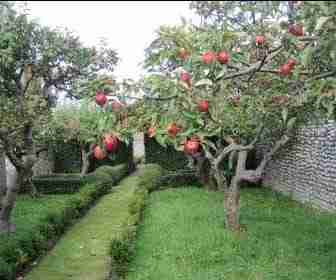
[236,88]
[36,63]
[97,123]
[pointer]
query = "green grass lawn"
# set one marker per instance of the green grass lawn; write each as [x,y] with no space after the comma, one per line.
[183,237]
[28,212]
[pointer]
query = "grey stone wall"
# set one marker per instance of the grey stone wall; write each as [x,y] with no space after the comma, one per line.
[3,178]
[306,168]
[45,164]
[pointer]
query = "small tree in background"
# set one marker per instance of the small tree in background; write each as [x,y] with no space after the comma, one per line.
[96,124]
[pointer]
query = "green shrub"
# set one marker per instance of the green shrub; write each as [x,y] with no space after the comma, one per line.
[124,155]
[20,249]
[58,183]
[6,271]
[70,183]
[122,246]
[168,158]
[149,176]
[122,250]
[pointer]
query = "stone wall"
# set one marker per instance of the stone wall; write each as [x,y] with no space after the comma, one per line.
[306,168]
[45,164]
[3,178]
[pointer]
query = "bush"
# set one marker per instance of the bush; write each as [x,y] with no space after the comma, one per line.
[122,245]
[168,158]
[149,176]
[71,183]
[58,183]
[19,249]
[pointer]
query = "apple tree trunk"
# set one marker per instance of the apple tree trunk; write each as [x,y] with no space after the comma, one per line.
[232,205]
[85,161]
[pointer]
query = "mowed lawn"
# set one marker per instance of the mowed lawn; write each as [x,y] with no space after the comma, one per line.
[183,237]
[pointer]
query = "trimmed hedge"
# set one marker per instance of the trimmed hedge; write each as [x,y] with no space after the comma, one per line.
[124,154]
[168,158]
[71,183]
[18,250]
[58,183]
[122,245]
[68,157]
[173,162]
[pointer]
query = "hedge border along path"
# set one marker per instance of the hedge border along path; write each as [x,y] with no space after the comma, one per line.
[84,251]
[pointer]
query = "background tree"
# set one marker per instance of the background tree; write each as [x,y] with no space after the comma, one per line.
[95,123]
[240,87]
[36,63]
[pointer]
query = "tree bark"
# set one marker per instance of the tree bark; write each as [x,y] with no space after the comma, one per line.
[85,162]
[23,165]
[86,158]
[3,175]
[232,205]
[8,202]
[204,174]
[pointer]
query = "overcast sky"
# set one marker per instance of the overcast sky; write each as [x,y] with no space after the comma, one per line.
[129,26]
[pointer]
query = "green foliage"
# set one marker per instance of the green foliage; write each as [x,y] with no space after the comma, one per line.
[67,156]
[122,245]
[148,176]
[40,222]
[70,183]
[123,155]
[167,157]
[58,183]
[182,237]
[122,251]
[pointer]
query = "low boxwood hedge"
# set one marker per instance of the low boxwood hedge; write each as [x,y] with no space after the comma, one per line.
[58,183]
[67,183]
[18,250]
[122,245]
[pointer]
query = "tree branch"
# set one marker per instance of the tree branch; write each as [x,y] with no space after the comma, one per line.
[208,154]
[322,76]
[254,66]
[8,148]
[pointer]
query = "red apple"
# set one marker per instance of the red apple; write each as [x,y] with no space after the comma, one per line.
[208,57]
[116,106]
[285,70]
[223,57]
[260,40]
[291,62]
[183,54]
[99,153]
[203,106]
[296,30]
[111,143]
[185,77]
[101,98]
[191,146]
[151,132]
[173,129]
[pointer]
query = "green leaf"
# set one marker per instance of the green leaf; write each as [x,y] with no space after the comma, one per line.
[204,82]
[330,109]
[161,140]
[320,22]
[284,114]
[291,123]
[307,56]
[189,115]
[221,74]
